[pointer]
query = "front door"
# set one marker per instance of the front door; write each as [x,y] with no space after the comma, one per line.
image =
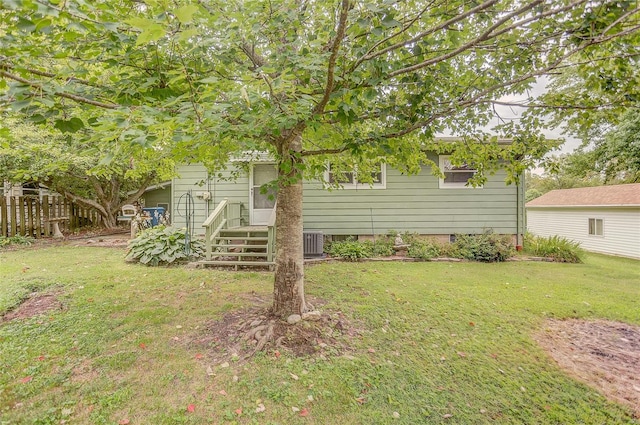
[261,204]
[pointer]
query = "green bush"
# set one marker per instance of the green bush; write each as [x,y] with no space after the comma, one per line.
[486,247]
[424,250]
[15,240]
[555,247]
[351,249]
[163,245]
[382,247]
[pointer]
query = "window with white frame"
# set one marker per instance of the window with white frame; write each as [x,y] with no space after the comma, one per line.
[456,176]
[349,179]
[596,227]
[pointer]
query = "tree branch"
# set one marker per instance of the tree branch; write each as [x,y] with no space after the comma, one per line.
[73,97]
[487,35]
[143,186]
[335,48]
[369,55]
[546,106]
[7,66]
[323,151]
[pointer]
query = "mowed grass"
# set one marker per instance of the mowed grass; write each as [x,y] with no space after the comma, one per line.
[440,343]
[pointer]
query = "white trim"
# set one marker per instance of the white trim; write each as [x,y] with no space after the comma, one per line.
[382,184]
[595,227]
[252,219]
[443,161]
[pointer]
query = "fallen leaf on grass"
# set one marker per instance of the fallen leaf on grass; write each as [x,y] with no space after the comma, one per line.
[191,408]
[143,345]
[360,400]
[462,354]
[199,356]
[26,379]
[222,392]
[260,408]
[294,376]
[124,422]
[41,358]
[304,412]
[276,353]
[295,409]
[371,350]
[447,416]
[239,411]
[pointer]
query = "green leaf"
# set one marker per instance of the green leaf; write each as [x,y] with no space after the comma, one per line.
[140,23]
[185,13]
[25,25]
[151,34]
[70,126]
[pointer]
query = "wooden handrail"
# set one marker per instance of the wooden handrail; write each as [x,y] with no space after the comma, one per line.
[218,219]
[219,209]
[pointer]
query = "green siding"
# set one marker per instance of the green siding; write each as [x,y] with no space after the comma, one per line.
[408,203]
[157,196]
[195,178]
[412,203]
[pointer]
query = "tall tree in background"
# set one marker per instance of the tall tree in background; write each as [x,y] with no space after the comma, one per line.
[303,80]
[100,176]
[597,96]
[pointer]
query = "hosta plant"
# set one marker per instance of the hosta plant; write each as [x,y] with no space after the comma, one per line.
[163,245]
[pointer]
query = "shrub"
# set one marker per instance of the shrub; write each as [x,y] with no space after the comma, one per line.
[424,250]
[486,247]
[554,247]
[163,245]
[351,249]
[15,240]
[383,247]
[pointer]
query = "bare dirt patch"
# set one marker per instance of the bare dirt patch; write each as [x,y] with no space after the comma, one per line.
[238,335]
[35,305]
[602,354]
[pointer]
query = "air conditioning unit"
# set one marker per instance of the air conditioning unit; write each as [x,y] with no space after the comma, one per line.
[313,242]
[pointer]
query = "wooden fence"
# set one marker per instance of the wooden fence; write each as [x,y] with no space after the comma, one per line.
[33,215]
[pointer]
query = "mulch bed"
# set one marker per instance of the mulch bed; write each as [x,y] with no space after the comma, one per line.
[600,353]
[35,305]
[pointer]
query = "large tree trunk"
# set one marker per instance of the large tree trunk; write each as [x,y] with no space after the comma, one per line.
[288,289]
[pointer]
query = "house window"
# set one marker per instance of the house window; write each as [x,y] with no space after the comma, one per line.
[349,179]
[596,227]
[456,176]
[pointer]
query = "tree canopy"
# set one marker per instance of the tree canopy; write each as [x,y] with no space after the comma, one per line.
[301,79]
[100,176]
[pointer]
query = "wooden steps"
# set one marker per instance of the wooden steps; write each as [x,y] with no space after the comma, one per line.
[240,247]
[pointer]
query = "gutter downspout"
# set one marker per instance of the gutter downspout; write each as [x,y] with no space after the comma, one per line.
[520,212]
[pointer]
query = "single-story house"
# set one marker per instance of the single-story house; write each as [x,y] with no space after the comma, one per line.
[422,203]
[603,219]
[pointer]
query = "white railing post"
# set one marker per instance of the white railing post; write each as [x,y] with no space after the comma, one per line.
[271,234]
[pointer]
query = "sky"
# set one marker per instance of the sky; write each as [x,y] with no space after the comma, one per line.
[513,113]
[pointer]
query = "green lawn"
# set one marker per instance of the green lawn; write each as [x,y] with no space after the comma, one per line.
[440,343]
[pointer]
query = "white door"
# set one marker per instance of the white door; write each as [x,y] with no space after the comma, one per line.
[261,204]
